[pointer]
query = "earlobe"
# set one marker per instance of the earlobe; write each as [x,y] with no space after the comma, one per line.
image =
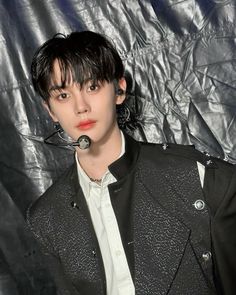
[120,99]
[50,112]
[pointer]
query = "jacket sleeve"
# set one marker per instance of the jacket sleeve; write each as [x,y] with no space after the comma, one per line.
[52,260]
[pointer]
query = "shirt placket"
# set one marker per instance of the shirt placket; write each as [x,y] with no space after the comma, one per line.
[123,277]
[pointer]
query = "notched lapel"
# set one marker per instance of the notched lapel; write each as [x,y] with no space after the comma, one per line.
[79,251]
[159,243]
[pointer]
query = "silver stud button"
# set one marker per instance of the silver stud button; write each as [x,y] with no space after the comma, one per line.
[206,256]
[164,146]
[209,162]
[73,204]
[199,204]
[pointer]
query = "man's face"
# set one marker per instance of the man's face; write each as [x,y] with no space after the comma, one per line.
[90,110]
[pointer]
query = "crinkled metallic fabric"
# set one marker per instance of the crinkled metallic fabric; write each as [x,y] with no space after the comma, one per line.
[180,60]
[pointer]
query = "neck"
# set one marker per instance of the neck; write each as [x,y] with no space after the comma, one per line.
[100,155]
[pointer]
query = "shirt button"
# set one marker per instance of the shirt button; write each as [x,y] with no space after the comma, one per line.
[107,205]
[199,204]
[206,256]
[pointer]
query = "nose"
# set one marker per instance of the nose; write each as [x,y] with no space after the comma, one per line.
[80,104]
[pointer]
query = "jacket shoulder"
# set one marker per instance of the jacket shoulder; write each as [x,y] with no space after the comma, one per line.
[55,195]
[185,152]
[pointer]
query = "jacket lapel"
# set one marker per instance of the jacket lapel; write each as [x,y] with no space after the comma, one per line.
[83,262]
[159,243]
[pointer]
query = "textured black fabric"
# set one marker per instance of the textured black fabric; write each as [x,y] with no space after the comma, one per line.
[176,188]
[169,234]
[68,239]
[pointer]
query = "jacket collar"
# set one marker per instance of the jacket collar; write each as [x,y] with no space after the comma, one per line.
[125,164]
[120,168]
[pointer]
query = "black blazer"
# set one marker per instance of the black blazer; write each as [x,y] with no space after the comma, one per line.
[171,247]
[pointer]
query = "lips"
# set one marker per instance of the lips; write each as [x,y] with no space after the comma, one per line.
[85,125]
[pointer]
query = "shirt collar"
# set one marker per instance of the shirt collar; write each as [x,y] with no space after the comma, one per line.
[107,178]
[120,169]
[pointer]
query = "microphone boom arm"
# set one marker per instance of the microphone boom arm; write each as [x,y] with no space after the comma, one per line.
[83,142]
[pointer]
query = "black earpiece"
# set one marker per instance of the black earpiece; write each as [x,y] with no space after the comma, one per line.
[119,91]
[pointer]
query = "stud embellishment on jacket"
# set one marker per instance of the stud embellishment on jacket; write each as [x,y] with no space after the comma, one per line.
[165,146]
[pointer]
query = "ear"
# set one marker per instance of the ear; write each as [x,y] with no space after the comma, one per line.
[121,85]
[46,105]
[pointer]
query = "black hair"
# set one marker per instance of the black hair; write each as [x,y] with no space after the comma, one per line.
[82,56]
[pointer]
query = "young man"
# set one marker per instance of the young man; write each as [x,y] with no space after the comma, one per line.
[128,217]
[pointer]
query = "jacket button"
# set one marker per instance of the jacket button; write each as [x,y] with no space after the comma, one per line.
[199,204]
[206,256]
[73,204]
[94,253]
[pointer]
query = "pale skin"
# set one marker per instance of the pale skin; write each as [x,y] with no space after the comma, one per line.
[90,110]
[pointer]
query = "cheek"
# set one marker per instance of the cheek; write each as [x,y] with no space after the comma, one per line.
[111,115]
[62,118]
[49,110]
[54,117]
[61,112]
[109,109]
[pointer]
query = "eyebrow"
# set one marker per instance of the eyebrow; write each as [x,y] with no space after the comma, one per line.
[60,87]
[55,87]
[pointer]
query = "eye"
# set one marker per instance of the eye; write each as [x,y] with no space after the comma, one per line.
[93,87]
[63,96]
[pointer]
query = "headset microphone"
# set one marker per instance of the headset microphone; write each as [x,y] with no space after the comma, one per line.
[119,91]
[83,142]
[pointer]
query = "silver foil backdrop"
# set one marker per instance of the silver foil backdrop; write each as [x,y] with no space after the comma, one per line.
[180,60]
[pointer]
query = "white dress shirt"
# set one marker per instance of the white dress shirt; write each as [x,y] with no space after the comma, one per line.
[118,276]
